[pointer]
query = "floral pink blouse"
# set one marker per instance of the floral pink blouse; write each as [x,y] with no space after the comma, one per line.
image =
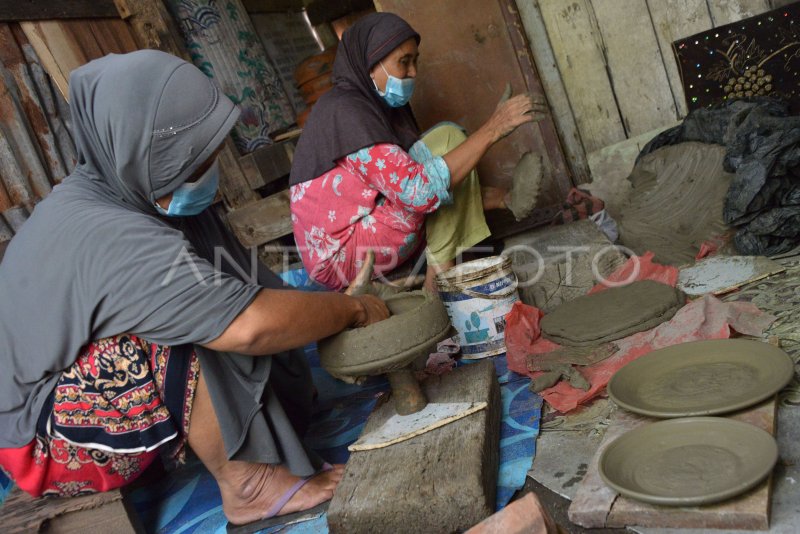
[376,198]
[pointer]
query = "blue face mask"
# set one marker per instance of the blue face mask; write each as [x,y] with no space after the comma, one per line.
[398,92]
[193,198]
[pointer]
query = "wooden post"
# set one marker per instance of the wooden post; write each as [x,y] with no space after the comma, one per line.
[153,26]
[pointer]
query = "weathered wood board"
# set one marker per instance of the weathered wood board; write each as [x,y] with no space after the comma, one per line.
[14,10]
[442,481]
[262,221]
[554,89]
[267,164]
[635,65]
[99,512]
[727,11]
[613,60]
[675,20]
[596,505]
[464,67]
[578,49]
[57,51]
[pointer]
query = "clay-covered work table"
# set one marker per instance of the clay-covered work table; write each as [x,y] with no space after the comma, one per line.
[596,505]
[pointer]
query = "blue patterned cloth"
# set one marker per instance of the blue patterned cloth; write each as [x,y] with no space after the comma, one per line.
[5,487]
[299,279]
[189,501]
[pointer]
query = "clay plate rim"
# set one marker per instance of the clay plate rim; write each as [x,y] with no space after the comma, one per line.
[770,356]
[736,430]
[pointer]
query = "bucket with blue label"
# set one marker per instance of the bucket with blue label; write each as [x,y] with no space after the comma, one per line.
[478,294]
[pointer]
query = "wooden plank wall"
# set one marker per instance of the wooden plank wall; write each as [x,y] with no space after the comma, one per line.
[608,66]
[65,44]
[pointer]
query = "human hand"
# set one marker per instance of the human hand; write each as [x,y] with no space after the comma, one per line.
[513,112]
[360,284]
[373,310]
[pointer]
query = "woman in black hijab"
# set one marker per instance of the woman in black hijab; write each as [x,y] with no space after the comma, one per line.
[363,178]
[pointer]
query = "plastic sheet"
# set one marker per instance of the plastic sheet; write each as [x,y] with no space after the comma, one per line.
[705,318]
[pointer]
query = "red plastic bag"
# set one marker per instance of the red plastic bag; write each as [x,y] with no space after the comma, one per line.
[639,268]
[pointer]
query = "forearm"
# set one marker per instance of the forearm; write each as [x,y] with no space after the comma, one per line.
[506,118]
[278,320]
[462,159]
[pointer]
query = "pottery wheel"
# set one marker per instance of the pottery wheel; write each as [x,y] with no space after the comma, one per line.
[419,321]
[612,314]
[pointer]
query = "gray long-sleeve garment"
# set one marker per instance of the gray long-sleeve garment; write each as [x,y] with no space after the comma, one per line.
[95,259]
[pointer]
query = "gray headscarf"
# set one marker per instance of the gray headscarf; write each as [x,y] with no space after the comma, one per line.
[94,260]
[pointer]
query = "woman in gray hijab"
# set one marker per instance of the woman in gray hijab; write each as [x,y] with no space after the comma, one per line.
[131,320]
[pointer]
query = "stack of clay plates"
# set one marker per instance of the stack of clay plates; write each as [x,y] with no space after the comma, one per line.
[695,460]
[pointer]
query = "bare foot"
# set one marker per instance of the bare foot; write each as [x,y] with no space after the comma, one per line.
[249,490]
[494,198]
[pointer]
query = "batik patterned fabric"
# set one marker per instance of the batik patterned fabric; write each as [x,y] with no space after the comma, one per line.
[374,199]
[107,418]
[759,56]
[223,44]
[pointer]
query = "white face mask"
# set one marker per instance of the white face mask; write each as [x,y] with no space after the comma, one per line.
[398,91]
[193,198]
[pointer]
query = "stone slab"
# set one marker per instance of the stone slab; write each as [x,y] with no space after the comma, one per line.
[442,481]
[597,505]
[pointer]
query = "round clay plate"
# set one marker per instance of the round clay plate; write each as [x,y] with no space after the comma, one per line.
[687,462]
[701,378]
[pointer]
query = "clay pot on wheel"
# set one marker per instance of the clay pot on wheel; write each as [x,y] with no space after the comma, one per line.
[418,323]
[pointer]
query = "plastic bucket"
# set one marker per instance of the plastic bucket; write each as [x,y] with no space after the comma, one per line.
[478,295]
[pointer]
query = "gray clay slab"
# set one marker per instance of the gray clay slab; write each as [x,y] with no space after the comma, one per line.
[612,314]
[701,378]
[689,461]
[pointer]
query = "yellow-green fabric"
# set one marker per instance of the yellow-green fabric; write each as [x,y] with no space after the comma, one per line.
[455,227]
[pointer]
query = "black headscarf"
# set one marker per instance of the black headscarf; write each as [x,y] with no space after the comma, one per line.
[353,115]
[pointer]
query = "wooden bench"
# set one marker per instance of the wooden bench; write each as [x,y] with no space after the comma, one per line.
[98,512]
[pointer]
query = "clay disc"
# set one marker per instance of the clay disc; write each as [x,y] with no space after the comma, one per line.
[701,378]
[687,462]
[418,322]
[612,314]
